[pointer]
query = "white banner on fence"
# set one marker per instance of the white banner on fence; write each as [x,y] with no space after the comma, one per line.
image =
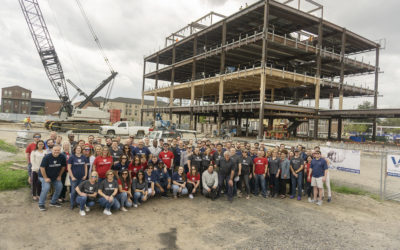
[393,165]
[343,160]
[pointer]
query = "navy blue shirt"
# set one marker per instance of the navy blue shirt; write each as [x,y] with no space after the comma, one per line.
[177,155]
[141,151]
[152,178]
[78,165]
[176,177]
[163,176]
[318,167]
[119,167]
[53,165]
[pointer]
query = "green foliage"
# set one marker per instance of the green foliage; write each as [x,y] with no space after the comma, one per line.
[202,119]
[12,179]
[366,105]
[358,128]
[4,146]
[352,190]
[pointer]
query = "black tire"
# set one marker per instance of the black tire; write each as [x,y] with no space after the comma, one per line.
[110,132]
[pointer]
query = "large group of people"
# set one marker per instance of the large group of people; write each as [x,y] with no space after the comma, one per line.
[120,175]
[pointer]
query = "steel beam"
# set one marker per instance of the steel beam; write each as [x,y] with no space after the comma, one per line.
[318,76]
[342,55]
[376,91]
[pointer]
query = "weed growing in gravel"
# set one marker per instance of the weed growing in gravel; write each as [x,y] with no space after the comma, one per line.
[4,146]
[352,190]
[12,179]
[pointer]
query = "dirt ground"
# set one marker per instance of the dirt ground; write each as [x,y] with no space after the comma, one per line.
[348,222]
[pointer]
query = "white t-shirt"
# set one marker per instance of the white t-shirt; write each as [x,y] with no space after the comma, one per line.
[36,159]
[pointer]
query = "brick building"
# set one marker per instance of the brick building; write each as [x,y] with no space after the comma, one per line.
[45,106]
[16,99]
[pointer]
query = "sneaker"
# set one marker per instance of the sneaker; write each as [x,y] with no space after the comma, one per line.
[56,204]
[247,197]
[139,203]
[87,209]
[319,203]
[299,198]
[135,205]
[329,199]
[275,195]
[123,209]
[230,199]
[191,196]
[292,197]
[82,212]
[310,200]
[107,212]
[42,208]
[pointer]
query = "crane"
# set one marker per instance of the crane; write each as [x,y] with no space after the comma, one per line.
[51,63]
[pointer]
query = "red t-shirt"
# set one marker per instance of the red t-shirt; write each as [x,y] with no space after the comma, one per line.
[167,158]
[124,187]
[134,169]
[103,164]
[259,165]
[31,147]
[307,165]
[192,178]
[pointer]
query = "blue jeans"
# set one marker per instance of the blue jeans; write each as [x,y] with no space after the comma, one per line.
[260,179]
[175,190]
[123,200]
[298,181]
[225,179]
[137,197]
[164,185]
[109,205]
[74,184]
[83,200]
[45,189]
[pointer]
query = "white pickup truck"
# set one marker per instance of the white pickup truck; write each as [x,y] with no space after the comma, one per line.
[124,128]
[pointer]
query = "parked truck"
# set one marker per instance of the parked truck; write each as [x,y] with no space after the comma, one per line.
[125,128]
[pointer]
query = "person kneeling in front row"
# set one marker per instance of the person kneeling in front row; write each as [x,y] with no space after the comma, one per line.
[87,192]
[139,187]
[210,183]
[108,189]
[179,183]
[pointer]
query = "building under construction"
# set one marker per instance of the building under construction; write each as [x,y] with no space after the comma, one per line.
[243,66]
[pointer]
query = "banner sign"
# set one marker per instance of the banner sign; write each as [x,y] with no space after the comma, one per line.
[393,165]
[343,160]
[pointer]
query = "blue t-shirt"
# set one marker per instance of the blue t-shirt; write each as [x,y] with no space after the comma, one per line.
[176,177]
[318,167]
[177,156]
[141,151]
[53,165]
[152,178]
[162,176]
[119,167]
[78,165]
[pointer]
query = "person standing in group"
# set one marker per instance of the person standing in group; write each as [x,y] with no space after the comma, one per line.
[284,173]
[308,186]
[273,164]
[193,182]
[245,172]
[185,155]
[179,183]
[71,140]
[124,187]
[218,155]
[66,151]
[115,152]
[103,163]
[108,189]
[167,157]
[123,164]
[152,179]
[140,189]
[155,149]
[51,169]
[318,172]
[87,152]
[97,152]
[164,179]
[260,172]
[210,182]
[296,168]
[36,158]
[126,150]
[77,169]
[178,152]
[134,167]
[226,174]
[141,150]
[328,181]
[29,149]
[194,160]
[87,193]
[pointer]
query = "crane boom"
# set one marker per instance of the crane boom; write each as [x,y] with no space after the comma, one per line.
[80,92]
[45,47]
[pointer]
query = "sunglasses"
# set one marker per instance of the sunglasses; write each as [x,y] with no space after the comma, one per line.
[124,173]
[110,174]
[94,176]
[37,137]
[87,149]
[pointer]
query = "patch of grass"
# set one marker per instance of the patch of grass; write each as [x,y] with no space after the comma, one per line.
[352,190]
[4,146]
[12,179]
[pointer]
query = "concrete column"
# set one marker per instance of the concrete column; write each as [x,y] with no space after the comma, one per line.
[272,94]
[142,103]
[339,129]
[342,54]
[155,88]
[263,74]
[331,100]
[270,123]
[240,96]
[221,81]
[376,91]
[329,129]
[318,76]
[171,95]
[247,126]
[192,93]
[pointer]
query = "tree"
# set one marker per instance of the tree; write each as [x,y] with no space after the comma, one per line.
[356,128]
[366,105]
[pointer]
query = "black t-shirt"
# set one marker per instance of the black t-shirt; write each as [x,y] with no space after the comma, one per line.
[88,188]
[115,154]
[53,165]
[296,163]
[205,161]
[236,159]
[195,160]
[108,187]
[217,156]
[273,165]
[226,167]
[247,165]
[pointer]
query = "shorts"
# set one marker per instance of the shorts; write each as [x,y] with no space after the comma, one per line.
[317,181]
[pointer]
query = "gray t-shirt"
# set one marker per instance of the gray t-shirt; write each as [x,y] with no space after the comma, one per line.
[247,165]
[115,154]
[88,188]
[137,185]
[273,165]
[108,187]
[296,163]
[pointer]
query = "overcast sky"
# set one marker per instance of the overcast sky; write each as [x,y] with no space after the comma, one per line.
[129,30]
